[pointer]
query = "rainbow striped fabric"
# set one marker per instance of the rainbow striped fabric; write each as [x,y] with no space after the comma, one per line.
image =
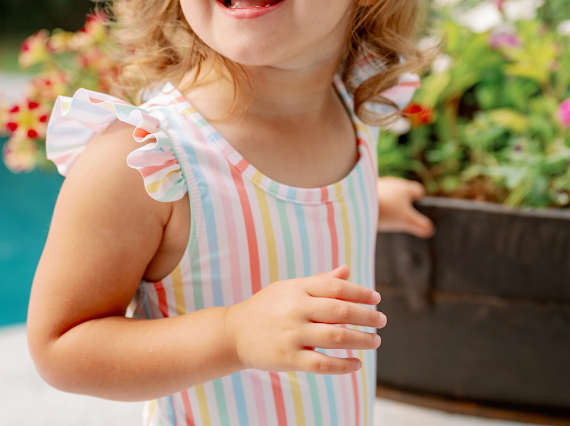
[247,231]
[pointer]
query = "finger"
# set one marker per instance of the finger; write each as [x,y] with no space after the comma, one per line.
[417,190]
[328,336]
[315,362]
[419,224]
[336,288]
[332,311]
[342,273]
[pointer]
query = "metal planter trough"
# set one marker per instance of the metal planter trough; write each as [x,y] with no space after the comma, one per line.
[480,312]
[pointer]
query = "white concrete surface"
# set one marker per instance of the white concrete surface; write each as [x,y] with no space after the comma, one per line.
[12,86]
[25,400]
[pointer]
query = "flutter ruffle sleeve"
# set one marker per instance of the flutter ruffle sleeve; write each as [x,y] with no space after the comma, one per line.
[75,121]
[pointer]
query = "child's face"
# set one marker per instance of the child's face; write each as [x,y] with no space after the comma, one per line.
[288,34]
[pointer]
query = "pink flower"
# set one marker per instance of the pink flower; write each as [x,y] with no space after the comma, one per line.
[564,113]
[497,41]
[20,154]
[46,87]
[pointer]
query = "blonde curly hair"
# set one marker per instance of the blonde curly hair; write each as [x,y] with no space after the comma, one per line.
[158,45]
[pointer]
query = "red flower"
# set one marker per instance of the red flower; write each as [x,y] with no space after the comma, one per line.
[28,119]
[418,114]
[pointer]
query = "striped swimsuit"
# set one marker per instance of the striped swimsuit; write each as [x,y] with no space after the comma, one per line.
[247,231]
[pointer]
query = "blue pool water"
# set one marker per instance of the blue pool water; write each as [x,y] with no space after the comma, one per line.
[26,206]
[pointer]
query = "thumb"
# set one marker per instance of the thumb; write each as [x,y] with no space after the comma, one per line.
[342,272]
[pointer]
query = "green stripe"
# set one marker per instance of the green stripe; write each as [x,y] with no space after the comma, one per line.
[315,399]
[221,400]
[359,278]
[290,254]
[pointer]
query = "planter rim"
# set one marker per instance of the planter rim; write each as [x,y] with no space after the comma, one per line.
[489,207]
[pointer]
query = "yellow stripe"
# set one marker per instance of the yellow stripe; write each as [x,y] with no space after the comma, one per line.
[155,186]
[345,226]
[189,111]
[297,399]
[65,105]
[203,404]
[268,228]
[364,388]
[151,407]
[178,285]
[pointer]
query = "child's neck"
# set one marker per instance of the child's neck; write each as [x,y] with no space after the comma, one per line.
[277,94]
[295,129]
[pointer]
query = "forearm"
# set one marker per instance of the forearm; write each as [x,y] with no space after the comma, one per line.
[127,359]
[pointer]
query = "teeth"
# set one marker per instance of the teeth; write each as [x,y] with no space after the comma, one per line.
[237,7]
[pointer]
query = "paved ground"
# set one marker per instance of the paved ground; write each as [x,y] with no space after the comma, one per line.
[11,86]
[25,400]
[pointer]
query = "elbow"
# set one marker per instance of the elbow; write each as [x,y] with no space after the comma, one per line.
[39,348]
[49,366]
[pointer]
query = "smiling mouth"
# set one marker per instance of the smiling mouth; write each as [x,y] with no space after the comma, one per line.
[248,4]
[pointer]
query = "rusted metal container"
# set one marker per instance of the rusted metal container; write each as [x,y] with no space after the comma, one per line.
[481,311]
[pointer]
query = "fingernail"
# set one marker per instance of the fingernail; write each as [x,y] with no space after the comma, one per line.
[376,340]
[357,364]
[376,297]
[383,319]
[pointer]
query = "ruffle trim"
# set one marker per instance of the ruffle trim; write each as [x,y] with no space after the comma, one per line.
[75,121]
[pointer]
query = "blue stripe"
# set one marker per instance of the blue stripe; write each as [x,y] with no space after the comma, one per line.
[369,225]
[332,400]
[170,410]
[240,399]
[302,232]
[208,215]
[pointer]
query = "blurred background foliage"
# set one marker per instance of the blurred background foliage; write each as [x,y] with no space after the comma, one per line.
[492,118]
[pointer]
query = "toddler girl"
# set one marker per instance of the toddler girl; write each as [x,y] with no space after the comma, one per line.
[247,256]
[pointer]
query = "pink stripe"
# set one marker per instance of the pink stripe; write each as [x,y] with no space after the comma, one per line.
[370,161]
[250,232]
[142,158]
[187,408]
[62,159]
[318,235]
[332,229]
[233,252]
[354,387]
[259,398]
[343,389]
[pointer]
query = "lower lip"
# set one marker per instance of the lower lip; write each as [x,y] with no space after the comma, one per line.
[249,12]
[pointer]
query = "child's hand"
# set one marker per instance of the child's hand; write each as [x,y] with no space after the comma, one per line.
[278,328]
[396,212]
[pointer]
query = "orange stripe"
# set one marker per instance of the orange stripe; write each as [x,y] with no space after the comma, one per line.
[141,133]
[242,165]
[147,171]
[250,232]
[278,396]
[162,303]
[187,408]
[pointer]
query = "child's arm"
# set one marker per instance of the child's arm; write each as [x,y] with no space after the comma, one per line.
[104,233]
[395,210]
